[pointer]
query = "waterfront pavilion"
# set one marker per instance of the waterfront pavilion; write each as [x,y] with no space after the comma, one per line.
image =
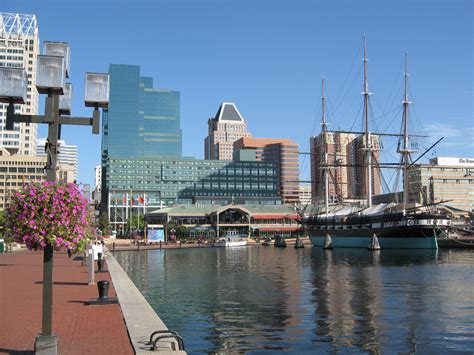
[250,220]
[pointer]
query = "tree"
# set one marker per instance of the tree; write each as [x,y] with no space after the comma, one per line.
[2,219]
[138,222]
[103,222]
[180,231]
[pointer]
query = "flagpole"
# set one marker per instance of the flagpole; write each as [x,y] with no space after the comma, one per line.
[124,213]
[131,210]
[138,214]
[108,214]
[126,209]
[144,213]
[115,215]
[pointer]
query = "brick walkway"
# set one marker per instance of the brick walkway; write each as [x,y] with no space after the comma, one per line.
[81,329]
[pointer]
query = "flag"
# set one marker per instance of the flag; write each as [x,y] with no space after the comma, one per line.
[140,200]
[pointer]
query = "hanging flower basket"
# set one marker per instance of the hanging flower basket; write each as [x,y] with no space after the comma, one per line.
[51,213]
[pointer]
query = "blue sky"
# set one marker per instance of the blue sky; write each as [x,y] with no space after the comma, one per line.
[269,57]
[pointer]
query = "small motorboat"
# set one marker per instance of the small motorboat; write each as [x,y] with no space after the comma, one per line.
[231,239]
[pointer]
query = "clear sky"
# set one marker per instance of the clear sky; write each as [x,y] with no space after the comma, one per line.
[269,56]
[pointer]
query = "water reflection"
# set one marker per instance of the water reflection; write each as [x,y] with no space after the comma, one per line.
[265,298]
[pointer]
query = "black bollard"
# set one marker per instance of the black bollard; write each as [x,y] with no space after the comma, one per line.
[103,287]
[100,262]
[113,247]
[160,244]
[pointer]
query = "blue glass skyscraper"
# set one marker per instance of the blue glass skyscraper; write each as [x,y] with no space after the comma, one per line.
[141,122]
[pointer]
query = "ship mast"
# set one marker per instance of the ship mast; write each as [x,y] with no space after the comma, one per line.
[367,144]
[405,152]
[325,150]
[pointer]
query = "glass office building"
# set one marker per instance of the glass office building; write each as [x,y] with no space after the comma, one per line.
[137,186]
[141,121]
[171,181]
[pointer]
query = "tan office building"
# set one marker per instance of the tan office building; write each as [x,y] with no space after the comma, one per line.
[305,194]
[444,179]
[15,170]
[224,129]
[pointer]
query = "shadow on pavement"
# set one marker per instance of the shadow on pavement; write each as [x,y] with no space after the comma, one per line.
[16,352]
[83,302]
[65,283]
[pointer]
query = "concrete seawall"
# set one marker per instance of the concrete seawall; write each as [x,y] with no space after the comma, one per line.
[140,317]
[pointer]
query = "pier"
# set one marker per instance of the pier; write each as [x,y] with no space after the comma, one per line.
[117,329]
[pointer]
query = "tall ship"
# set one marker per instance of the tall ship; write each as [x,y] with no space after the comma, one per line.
[397,224]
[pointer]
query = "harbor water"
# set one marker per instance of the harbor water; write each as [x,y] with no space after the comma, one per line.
[256,299]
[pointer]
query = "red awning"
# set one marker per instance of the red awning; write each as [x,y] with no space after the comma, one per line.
[275,216]
[278,229]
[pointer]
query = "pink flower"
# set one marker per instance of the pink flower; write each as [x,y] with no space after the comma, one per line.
[48,212]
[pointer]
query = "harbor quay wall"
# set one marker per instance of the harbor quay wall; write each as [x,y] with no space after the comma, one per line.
[140,318]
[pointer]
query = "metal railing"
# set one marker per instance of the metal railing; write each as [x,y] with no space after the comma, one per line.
[165,334]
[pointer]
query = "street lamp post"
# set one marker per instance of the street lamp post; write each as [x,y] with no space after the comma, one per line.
[52,70]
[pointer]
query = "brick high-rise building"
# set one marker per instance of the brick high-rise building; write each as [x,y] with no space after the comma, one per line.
[346,160]
[361,170]
[282,152]
[224,129]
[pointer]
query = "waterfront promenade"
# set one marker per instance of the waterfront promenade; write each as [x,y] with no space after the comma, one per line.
[81,329]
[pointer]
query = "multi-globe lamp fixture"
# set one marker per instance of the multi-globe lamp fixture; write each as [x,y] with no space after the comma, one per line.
[53,67]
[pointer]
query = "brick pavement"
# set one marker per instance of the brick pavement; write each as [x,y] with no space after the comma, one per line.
[81,329]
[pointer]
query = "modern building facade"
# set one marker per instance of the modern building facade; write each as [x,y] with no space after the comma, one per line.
[223,130]
[136,186]
[444,179]
[284,154]
[15,170]
[346,166]
[68,154]
[19,46]
[141,121]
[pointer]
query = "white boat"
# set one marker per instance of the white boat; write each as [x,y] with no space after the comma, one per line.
[231,239]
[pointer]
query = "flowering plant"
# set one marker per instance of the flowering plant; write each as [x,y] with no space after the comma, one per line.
[49,213]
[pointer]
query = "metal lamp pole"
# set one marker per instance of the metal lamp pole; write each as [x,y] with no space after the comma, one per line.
[52,70]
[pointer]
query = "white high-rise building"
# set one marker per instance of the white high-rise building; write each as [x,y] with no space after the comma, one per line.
[19,47]
[305,194]
[68,154]
[98,177]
